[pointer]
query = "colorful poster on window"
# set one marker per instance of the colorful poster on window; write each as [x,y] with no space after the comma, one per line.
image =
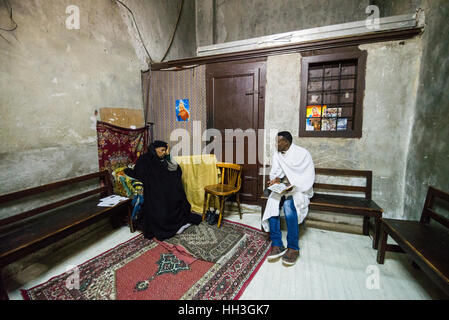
[313,114]
[182,110]
[342,124]
[314,111]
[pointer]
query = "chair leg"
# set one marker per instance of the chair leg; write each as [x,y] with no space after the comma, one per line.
[222,200]
[383,245]
[238,203]
[206,202]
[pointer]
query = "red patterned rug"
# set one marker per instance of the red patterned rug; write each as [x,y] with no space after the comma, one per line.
[142,269]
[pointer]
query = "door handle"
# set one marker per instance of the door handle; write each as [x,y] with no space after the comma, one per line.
[250,93]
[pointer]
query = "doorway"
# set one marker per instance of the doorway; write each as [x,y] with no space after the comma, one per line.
[236,100]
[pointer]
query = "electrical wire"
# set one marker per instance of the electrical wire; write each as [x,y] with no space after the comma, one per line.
[140,35]
[9,7]
[174,31]
[137,28]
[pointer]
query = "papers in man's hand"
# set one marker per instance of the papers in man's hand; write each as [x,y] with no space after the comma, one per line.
[111,201]
[280,188]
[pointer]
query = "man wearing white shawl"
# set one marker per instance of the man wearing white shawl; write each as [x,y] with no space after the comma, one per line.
[291,165]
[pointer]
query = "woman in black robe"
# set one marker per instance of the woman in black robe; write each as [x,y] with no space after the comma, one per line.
[165,206]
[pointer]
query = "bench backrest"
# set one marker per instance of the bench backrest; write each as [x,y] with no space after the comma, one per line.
[429,211]
[367,175]
[105,189]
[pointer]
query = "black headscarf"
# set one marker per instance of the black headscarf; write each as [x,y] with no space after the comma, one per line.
[159,144]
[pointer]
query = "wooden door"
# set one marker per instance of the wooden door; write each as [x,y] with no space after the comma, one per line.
[236,100]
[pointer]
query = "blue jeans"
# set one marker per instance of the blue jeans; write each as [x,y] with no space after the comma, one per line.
[291,218]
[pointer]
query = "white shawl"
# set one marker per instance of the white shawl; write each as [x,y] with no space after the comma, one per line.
[297,165]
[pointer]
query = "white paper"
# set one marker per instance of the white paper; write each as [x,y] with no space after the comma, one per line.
[111,200]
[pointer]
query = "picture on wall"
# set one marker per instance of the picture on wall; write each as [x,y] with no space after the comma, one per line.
[342,124]
[182,110]
[313,120]
[329,125]
[331,112]
[314,111]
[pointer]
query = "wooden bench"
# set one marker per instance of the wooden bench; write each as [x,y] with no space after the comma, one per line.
[426,243]
[346,204]
[26,232]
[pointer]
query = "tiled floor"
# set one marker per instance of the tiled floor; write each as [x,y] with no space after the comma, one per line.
[332,265]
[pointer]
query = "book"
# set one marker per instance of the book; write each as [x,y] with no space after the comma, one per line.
[331,112]
[342,124]
[314,111]
[280,188]
[313,114]
[329,125]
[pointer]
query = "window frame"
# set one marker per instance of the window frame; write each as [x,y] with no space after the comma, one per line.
[337,56]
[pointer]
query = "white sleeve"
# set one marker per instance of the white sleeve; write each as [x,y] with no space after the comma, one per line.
[276,170]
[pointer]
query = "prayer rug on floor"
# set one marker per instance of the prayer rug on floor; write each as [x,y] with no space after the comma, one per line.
[207,242]
[145,269]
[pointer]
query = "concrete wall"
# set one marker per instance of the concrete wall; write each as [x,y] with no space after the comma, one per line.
[428,156]
[221,21]
[392,75]
[53,79]
[405,125]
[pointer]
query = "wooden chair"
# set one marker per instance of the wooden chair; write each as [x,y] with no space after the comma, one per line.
[230,184]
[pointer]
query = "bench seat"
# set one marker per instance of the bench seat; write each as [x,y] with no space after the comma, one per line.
[429,241]
[26,232]
[355,204]
[29,232]
[426,243]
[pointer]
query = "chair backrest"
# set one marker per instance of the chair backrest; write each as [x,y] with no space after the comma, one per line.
[230,174]
[429,210]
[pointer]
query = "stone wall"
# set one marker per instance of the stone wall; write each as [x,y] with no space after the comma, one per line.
[52,79]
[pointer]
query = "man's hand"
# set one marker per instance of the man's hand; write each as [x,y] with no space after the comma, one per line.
[167,151]
[274,181]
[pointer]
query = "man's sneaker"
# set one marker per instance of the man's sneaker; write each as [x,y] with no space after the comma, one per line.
[290,257]
[276,252]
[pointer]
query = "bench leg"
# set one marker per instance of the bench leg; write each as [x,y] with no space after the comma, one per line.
[383,246]
[3,293]
[376,233]
[366,225]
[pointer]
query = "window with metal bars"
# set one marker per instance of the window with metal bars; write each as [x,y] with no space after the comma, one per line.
[332,87]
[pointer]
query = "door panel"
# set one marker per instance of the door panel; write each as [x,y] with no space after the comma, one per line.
[236,101]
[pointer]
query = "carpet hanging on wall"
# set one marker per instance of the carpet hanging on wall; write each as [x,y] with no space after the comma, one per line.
[118,147]
[142,269]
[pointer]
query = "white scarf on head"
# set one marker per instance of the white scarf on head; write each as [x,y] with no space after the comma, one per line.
[297,165]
